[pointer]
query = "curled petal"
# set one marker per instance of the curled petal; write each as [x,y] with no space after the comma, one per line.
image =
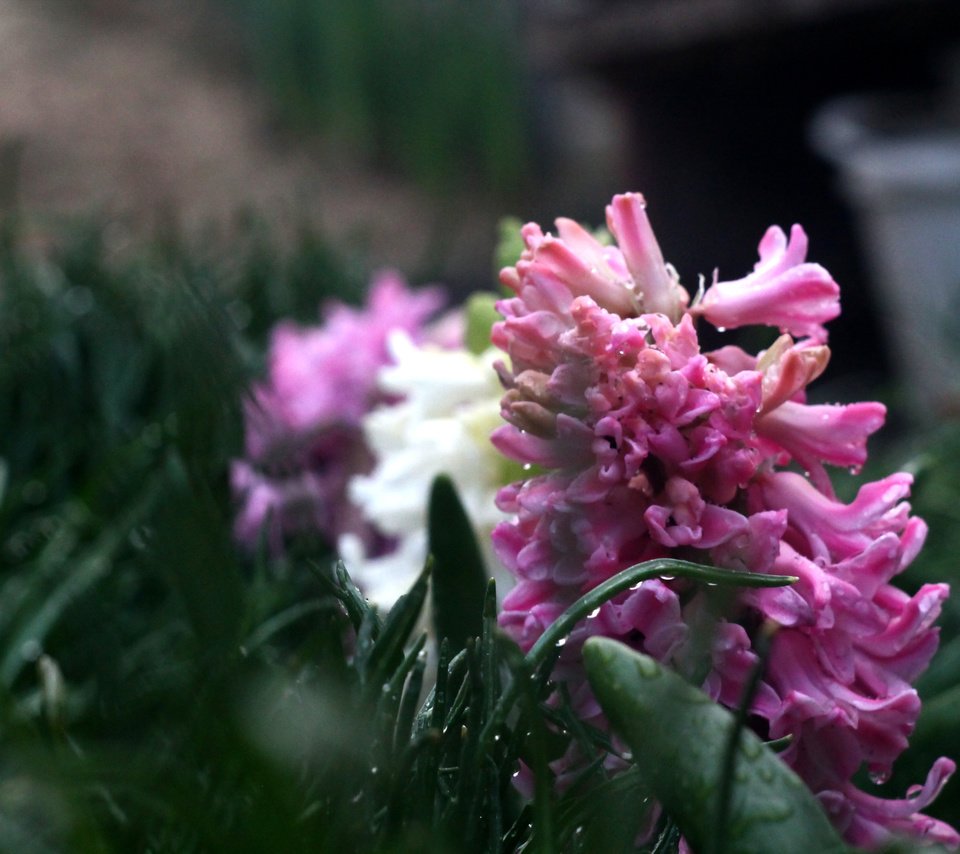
[555,260]
[570,448]
[653,609]
[875,821]
[655,287]
[788,369]
[782,290]
[827,433]
[828,529]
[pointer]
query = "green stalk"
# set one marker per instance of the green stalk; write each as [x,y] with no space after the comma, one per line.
[546,645]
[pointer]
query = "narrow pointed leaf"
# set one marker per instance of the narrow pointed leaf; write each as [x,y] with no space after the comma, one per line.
[387,652]
[459,574]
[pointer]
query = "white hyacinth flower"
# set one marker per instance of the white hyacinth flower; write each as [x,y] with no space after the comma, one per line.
[450,404]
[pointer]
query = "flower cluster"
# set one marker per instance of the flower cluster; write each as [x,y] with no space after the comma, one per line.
[647,447]
[303,423]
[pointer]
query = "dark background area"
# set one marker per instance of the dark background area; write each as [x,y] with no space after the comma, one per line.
[403,130]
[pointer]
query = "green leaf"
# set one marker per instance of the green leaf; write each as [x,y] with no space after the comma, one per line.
[459,573]
[194,551]
[481,315]
[387,652]
[678,736]
[509,242]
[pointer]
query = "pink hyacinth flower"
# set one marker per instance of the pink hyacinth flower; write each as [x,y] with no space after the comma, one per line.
[647,447]
[303,437]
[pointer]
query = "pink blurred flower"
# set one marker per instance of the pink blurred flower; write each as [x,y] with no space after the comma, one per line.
[303,436]
[650,447]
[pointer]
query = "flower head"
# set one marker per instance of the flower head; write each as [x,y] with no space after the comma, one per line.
[303,434]
[650,447]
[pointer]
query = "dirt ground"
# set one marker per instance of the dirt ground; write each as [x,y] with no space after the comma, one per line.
[138,110]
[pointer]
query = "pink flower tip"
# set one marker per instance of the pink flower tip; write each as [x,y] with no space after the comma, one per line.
[783,290]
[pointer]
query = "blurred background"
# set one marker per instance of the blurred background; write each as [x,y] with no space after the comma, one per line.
[178,175]
[404,130]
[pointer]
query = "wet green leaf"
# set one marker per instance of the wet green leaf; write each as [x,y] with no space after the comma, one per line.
[459,573]
[678,736]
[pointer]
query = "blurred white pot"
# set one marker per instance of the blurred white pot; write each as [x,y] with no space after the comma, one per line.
[899,163]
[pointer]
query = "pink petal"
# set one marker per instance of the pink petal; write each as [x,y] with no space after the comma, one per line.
[825,433]
[654,286]
[782,290]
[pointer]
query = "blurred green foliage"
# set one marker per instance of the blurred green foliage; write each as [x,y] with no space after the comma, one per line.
[160,691]
[432,87]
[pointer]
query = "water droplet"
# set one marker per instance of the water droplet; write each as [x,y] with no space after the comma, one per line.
[721,329]
[78,300]
[31,650]
[527,466]
[667,577]
[561,642]
[648,668]
[878,778]
[594,614]
[855,470]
